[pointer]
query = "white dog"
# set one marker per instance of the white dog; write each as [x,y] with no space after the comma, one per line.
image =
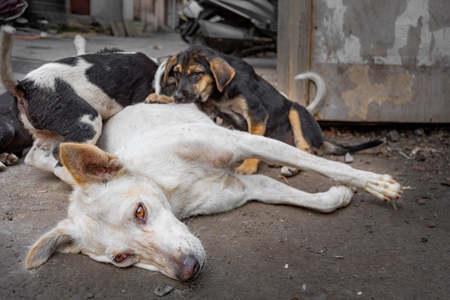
[170,162]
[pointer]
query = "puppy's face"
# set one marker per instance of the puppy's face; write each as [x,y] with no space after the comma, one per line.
[198,72]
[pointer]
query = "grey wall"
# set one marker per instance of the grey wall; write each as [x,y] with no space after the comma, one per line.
[383,61]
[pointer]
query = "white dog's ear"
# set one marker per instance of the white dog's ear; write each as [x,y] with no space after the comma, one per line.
[89,164]
[59,239]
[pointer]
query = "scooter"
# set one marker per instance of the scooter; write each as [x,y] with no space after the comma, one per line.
[11,9]
[236,27]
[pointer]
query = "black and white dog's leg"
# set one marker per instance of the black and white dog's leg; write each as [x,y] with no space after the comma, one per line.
[42,157]
[381,186]
[91,133]
[41,153]
[84,127]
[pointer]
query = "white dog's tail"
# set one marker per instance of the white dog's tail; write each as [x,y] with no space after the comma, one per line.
[321,90]
[6,74]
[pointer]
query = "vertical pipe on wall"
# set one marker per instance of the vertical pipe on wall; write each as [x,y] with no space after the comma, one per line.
[310,47]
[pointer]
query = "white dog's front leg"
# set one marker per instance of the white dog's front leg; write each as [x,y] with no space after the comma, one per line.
[269,150]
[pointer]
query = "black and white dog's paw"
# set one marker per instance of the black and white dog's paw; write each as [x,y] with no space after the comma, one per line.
[7,159]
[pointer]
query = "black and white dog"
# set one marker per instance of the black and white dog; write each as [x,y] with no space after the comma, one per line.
[15,139]
[69,99]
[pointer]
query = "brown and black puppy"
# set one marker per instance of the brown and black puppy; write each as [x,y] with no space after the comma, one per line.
[228,87]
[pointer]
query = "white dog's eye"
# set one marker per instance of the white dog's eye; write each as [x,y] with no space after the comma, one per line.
[120,258]
[140,212]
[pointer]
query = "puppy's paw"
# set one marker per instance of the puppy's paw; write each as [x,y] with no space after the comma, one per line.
[307,150]
[155,98]
[152,98]
[248,167]
[383,187]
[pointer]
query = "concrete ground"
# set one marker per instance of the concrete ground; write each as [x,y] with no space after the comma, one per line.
[367,250]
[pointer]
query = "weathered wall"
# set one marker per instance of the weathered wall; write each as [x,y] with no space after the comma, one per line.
[383,61]
[107,11]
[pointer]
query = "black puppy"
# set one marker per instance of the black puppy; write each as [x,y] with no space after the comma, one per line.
[228,87]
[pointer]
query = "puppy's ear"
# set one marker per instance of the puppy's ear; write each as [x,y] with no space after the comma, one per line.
[170,64]
[89,164]
[61,239]
[222,71]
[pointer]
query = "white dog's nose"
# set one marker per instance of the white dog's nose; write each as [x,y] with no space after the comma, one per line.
[189,269]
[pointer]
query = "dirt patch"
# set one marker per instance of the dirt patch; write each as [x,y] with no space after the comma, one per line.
[367,250]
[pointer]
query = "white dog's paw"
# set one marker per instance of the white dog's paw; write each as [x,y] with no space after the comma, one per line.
[343,193]
[288,172]
[383,187]
[336,197]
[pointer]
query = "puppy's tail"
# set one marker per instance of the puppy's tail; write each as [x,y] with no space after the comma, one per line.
[321,90]
[6,74]
[329,147]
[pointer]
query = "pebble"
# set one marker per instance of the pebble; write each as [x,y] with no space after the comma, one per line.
[420,157]
[424,240]
[162,290]
[90,296]
[348,158]
[421,201]
[393,136]
[419,132]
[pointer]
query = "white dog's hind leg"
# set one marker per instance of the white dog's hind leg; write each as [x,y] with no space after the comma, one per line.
[245,146]
[236,190]
[271,191]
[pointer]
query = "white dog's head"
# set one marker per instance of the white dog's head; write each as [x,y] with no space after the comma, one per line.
[119,217]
